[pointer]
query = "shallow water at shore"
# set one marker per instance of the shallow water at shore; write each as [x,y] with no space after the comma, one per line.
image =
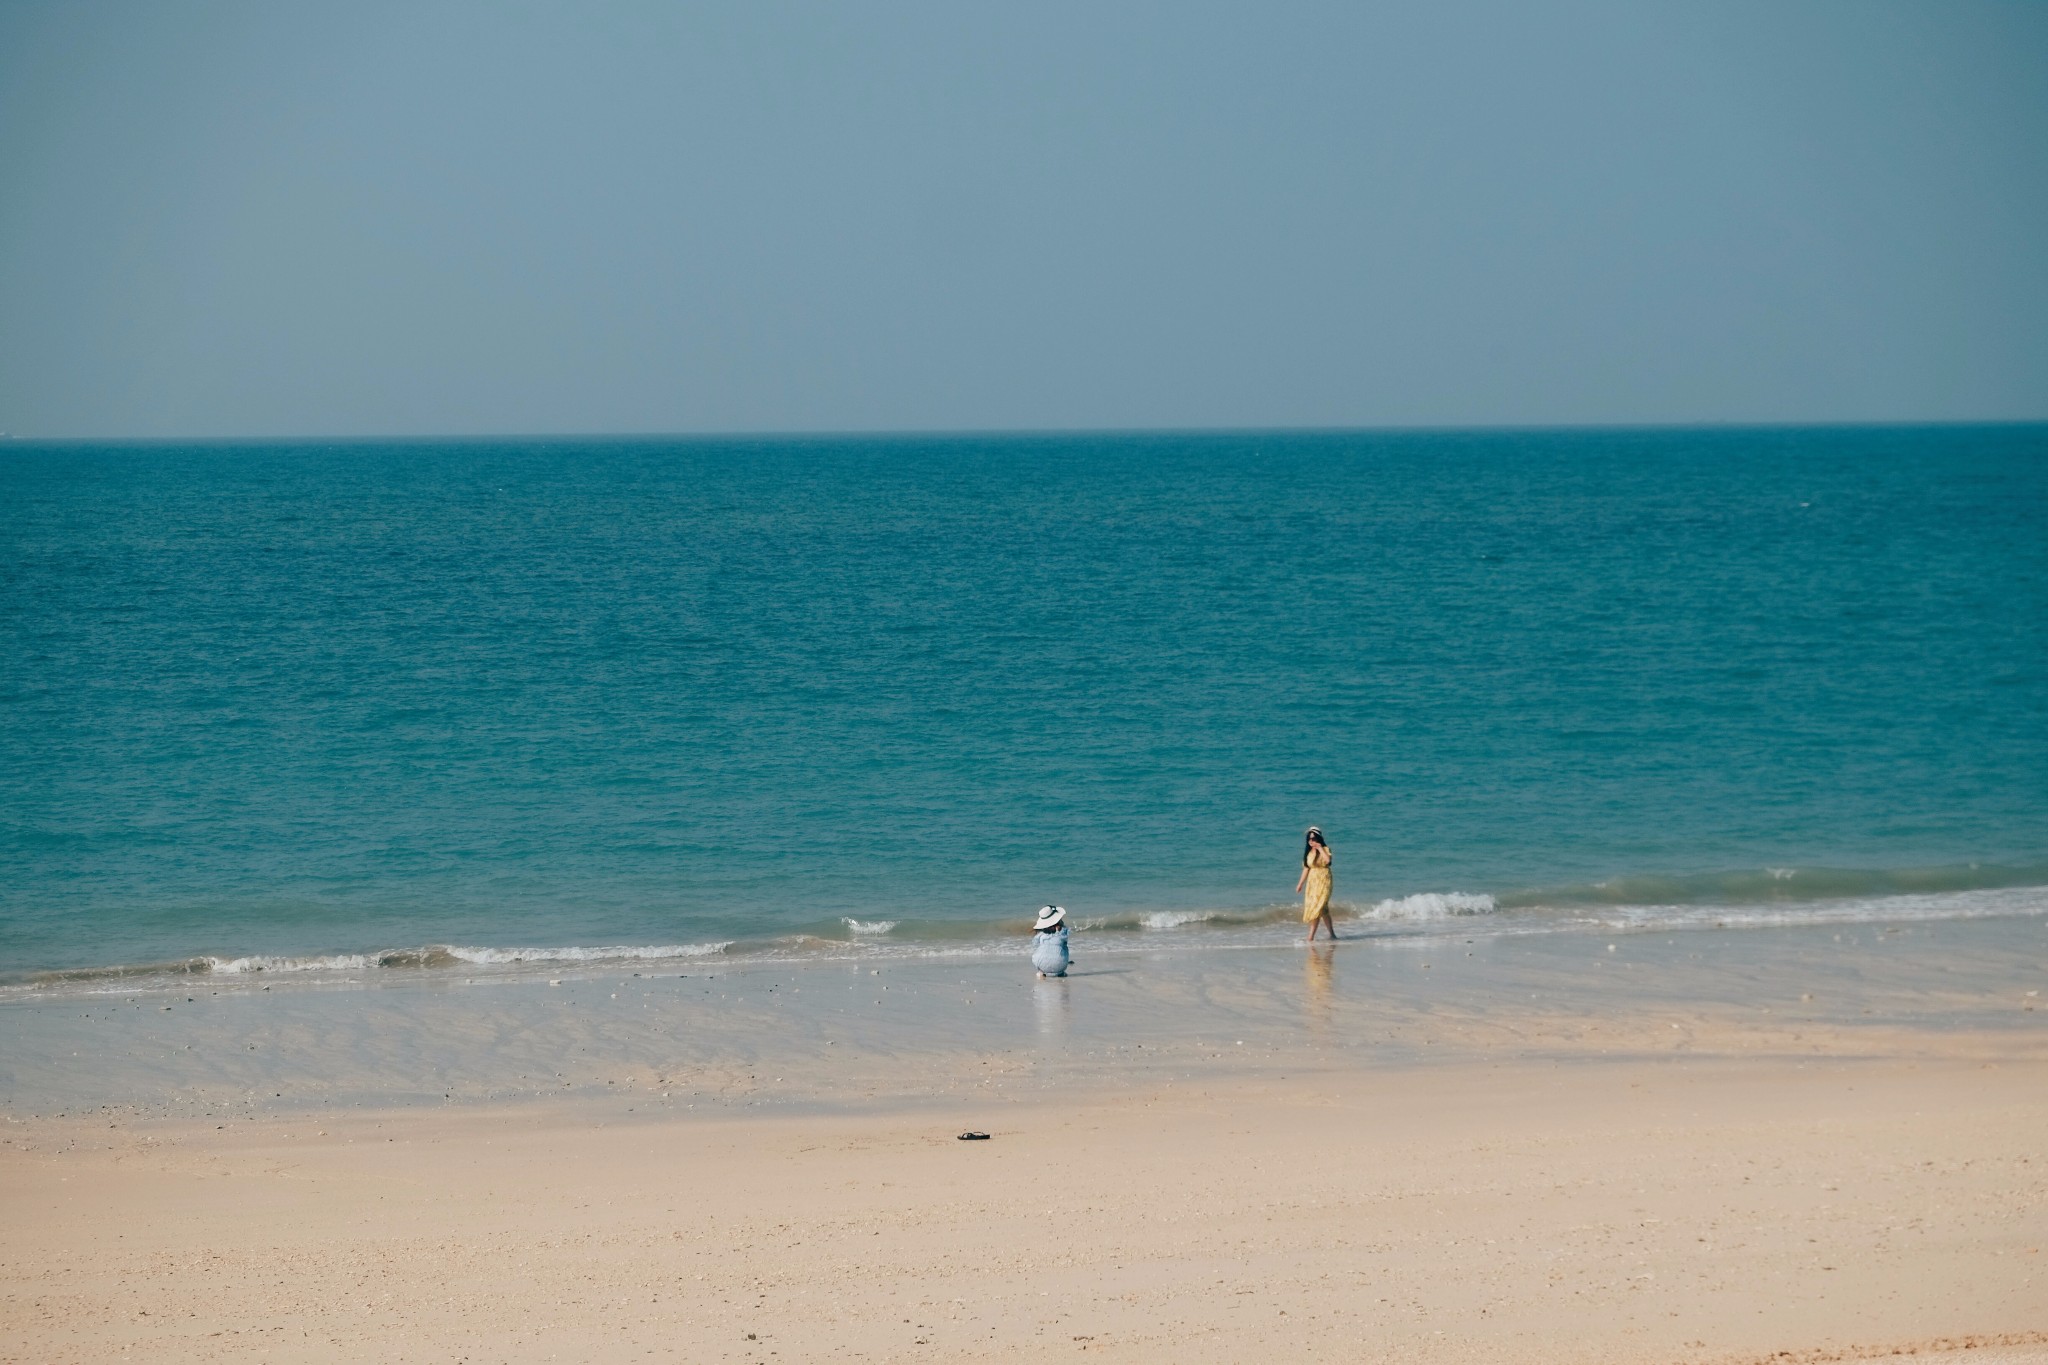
[859,1031]
[1769,899]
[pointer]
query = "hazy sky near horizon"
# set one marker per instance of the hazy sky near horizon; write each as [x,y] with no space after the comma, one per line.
[401,218]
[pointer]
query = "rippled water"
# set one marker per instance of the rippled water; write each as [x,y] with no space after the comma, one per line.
[280,701]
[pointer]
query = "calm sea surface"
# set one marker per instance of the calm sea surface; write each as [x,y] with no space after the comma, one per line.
[300,700]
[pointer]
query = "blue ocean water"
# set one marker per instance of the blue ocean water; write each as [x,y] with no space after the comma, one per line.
[302,699]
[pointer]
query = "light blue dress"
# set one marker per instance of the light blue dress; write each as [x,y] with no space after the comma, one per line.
[1049,951]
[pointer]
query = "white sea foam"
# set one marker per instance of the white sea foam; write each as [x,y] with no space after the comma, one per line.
[334,962]
[1849,910]
[1425,905]
[626,952]
[1173,919]
[447,956]
[868,926]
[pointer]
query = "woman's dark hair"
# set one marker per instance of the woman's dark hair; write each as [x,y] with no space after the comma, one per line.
[1314,837]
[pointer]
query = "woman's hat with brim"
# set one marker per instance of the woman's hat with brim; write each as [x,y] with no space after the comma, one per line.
[1049,916]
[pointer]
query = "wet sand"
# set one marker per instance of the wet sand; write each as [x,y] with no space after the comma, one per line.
[1697,1147]
[880,1030]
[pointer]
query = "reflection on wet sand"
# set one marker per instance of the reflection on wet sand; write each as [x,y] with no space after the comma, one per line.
[1050,1006]
[1321,977]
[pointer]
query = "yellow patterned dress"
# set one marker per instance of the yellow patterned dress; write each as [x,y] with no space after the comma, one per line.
[1315,892]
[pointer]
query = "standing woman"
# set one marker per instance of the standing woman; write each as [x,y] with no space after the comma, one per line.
[1314,885]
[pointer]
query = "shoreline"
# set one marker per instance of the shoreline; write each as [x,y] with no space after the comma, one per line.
[1717,1148]
[816,1033]
[1761,899]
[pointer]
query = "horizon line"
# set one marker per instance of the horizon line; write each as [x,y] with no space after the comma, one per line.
[958,433]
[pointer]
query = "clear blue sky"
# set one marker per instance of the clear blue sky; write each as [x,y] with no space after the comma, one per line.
[415,218]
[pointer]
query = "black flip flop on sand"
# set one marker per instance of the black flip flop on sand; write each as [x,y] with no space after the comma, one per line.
[974,1137]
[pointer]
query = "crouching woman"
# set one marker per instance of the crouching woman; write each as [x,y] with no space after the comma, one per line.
[1049,942]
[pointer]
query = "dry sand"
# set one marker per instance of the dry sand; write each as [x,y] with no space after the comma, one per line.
[1520,1209]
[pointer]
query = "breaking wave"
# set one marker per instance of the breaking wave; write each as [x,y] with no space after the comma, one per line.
[1174,919]
[428,958]
[1428,905]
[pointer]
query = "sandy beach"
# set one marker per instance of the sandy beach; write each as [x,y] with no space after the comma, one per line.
[1370,1156]
[1627,1212]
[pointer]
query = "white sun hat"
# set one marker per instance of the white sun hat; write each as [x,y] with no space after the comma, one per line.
[1048,916]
